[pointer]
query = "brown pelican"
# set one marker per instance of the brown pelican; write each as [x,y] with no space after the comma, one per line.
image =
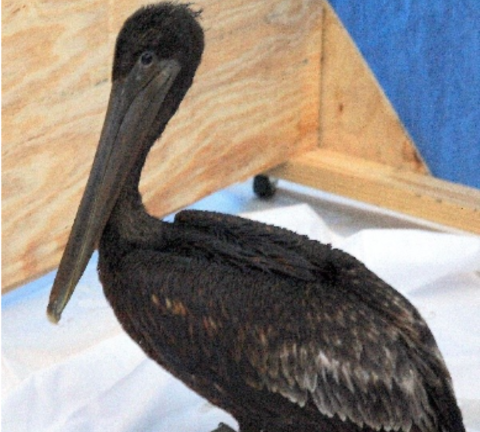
[285,333]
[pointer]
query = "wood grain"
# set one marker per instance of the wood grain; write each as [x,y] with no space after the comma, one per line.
[278,79]
[418,195]
[254,104]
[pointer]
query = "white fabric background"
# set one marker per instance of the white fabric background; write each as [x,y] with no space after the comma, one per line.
[86,375]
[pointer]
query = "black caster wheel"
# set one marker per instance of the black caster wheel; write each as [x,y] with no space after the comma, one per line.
[264,186]
[222,427]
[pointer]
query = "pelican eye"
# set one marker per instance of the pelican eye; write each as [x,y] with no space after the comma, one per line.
[146,58]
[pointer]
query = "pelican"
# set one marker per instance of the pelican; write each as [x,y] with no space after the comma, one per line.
[284,333]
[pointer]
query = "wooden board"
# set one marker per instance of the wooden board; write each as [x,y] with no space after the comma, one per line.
[254,104]
[385,186]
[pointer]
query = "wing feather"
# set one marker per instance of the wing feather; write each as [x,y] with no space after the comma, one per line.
[389,397]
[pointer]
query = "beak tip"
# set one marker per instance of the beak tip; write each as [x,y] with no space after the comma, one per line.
[52,315]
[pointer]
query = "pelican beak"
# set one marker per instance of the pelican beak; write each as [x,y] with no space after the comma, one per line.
[135,101]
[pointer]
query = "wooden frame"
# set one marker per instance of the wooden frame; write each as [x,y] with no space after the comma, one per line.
[279,80]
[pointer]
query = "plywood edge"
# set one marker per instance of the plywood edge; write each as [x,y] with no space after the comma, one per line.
[407,192]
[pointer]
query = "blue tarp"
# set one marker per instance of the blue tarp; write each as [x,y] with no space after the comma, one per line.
[426,56]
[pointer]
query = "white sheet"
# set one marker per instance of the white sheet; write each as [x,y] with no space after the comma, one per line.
[85,374]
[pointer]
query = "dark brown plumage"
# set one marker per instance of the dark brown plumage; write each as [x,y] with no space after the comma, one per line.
[285,333]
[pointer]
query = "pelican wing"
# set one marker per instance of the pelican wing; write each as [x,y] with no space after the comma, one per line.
[380,386]
[251,333]
[331,333]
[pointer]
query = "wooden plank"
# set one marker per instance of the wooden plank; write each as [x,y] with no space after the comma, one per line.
[356,117]
[254,104]
[407,192]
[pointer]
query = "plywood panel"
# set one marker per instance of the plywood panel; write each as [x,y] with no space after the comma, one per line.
[254,104]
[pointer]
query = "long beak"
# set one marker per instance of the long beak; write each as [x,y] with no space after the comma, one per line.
[133,106]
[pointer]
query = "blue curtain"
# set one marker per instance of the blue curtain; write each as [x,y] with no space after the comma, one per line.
[426,56]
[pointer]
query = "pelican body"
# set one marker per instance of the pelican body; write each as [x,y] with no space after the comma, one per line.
[285,333]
